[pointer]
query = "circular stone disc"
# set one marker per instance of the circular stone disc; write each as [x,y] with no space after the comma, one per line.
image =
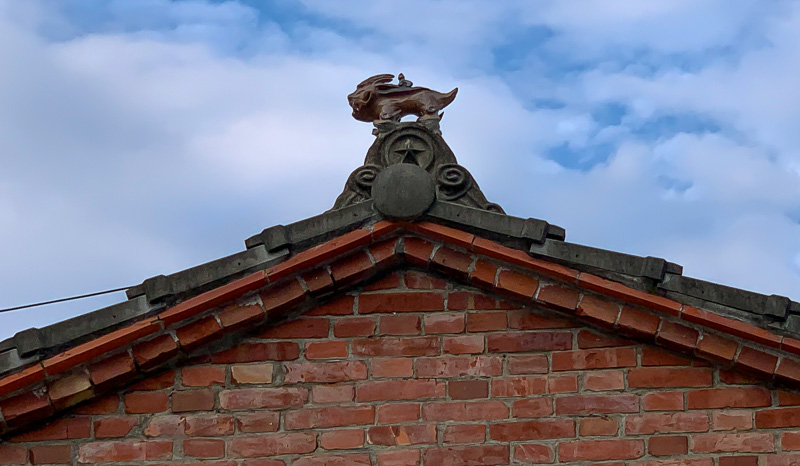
[403,191]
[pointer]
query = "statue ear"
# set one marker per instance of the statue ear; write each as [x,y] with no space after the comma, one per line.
[367,96]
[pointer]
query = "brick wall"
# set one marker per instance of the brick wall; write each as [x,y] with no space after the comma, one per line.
[416,371]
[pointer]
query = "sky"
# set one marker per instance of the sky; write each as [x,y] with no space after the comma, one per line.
[144,137]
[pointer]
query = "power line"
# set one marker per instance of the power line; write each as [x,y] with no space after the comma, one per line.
[98,293]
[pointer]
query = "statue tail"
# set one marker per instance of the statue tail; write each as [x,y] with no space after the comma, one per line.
[449,97]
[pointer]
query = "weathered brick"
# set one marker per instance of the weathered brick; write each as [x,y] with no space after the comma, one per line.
[597,404]
[532,430]
[272,445]
[204,448]
[481,455]
[304,327]
[518,386]
[441,322]
[325,372]
[411,434]
[513,342]
[463,344]
[355,327]
[391,367]
[256,352]
[665,423]
[396,346]
[384,390]
[533,453]
[598,426]
[668,445]
[124,451]
[400,325]
[602,358]
[464,411]
[255,398]
[468,389]
[263,421]
[600,450]
[657,377]
[464,433]
[203,376]
[460,366]
[117,426]
[251,373]
[398,412]
[733,443]
[312,418]
[715,398]
[50,454]
[146,402]
[417,301]
[345,439]
[332,349]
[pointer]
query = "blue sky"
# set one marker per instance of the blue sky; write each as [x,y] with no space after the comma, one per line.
[144,137]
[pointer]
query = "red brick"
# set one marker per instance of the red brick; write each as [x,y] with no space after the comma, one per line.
[350,459]
[400,325]
[533,364]
[518,386]
[417,251]
[112,371]
[118,426]
[652,356]
[169,425]
[597,404]
[204,448]
[513,342]
[470,300]
[154,352]
[354,327]
[533,407]
[100,346]
[256,352]
[51,454]
[669,445]
[564,383]
[124,451]
[665,423]
[786,398]
[603,381]
[715,398]
[387,282]
[486,321]
[459,366]
[600,450]
[391,367]
[352,269]
[272,445]
[730,326]
[193,400]
[602,358]
[777,418]
[209,426]
[468,389]
[402,435]
[588,339]
[443,233]
[279,298]
[756,361]
[26,407]
[733,443]
[788,370]
[394,457]
[256,398]
[516,285]
[662,401]
[657,377]
[483,274]
[398,412]
[71,390]
[203,376]
[717,348]
[598,426]
[598,310]
[533,453]
[342,439]
[263,421]
[526,320]
[620,291]
[417,280]
[451,261]
[318,281]
[464,433]
[385,253]
[481,455]
[326,349]
[464,411]
[325,372]
[13,454]
[198,333]
[341,306]
[102,405]
[313,418]
[443,323]
[304,327]
[28,376]
[790,440]
[677,336]
[59,429]
[638,323]
[463,344]
[558,297]
[412,301]
[732,420]
[740,460]
[384,390]
[240,316]
[396,346]
[251,374]
[532,430]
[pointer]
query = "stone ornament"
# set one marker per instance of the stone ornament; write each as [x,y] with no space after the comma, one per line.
[409,165]
[375,100]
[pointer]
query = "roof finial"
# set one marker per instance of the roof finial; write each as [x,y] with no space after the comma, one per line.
[374,100]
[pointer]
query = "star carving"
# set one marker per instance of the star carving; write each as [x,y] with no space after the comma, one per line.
[407,153]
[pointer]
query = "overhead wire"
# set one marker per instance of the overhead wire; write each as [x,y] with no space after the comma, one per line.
[61,300]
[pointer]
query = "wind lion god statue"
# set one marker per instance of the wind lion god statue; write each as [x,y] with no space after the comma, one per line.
[375,100]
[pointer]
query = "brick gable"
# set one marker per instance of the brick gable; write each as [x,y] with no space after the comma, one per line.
[412,368]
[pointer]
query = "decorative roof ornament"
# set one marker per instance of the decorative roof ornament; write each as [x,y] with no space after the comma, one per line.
[409,165]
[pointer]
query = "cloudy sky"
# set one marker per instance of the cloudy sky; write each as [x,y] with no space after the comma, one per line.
[144,137]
